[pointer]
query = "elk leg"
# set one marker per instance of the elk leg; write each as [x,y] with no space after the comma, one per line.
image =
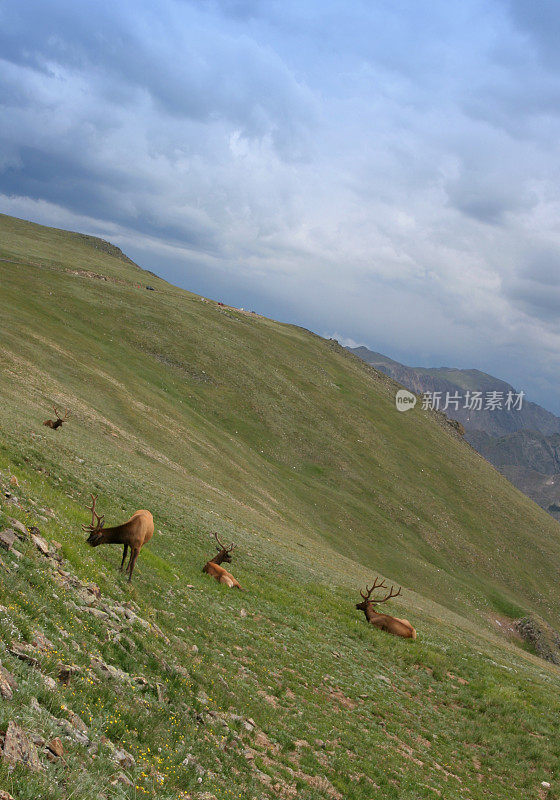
[125,550]
[131,564]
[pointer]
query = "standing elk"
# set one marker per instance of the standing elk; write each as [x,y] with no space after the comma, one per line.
[218,572]
[394,625]
[56,423]
[134,533]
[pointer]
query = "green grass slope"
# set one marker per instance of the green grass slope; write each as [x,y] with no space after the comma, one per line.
[216,419]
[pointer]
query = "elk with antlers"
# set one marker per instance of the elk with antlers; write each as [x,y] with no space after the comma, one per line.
[394,625]
[218,572]
[134,533]
[56,423]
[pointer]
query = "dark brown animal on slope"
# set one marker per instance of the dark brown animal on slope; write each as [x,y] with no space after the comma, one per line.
[134,533]
[218,572]
[56,423]
[394,625]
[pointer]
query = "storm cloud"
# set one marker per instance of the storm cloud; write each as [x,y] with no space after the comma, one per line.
[387,171]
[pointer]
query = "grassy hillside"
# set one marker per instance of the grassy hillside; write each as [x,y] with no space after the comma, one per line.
[216,419]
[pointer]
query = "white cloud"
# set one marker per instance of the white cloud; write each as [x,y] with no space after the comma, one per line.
[382,170]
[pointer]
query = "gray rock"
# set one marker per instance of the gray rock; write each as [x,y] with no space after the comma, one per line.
[19,528]
[7,539]
[25,652]
[120,777]
[8,684]
[124,759]
[95,612]
[40,543]
[19,749]
[49,682]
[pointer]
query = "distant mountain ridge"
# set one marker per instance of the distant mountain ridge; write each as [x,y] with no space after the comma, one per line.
[444,379]
[523,444]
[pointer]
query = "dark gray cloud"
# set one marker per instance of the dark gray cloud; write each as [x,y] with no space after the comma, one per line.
[386,170]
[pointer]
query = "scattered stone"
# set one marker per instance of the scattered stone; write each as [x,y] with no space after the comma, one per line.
[56,748]
[109,611]
[8,684]
[243,612]
[124,758]
[95,612]
[25,652]
[66,671]
[7,539]
[120,777]
[19,749]
[86,596]
[77,722]
[19,528]
[40,543]
[190,762]
[35,706]
[41,642]
[49,682]
[545,784]
[194,649]
[70,730]
[107,670]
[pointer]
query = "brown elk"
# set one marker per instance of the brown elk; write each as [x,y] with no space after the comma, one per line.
[134,533]
[394,625]
[218,572]
[56,423]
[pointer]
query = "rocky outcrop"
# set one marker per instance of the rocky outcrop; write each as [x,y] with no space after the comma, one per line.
[541,636]
[18,748]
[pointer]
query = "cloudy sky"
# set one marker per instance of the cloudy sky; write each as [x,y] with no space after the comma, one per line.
[383,171]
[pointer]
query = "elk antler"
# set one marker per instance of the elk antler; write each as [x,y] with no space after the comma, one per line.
[381,585]
[222,546]
[376,585]
[67,413]
[94,528]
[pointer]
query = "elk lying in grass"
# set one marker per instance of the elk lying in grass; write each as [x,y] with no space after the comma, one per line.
[56,423]
[218,572]
[394,625]
[134,533]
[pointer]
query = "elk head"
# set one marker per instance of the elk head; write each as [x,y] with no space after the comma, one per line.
[95,527]
[368,599]
[224,553]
